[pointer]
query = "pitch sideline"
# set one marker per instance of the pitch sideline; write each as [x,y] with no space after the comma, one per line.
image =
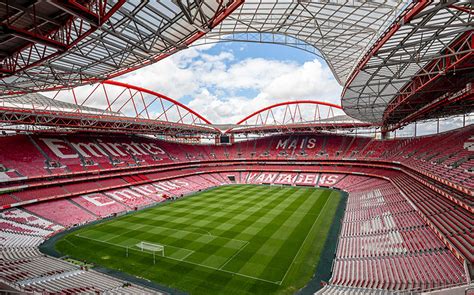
[304,241]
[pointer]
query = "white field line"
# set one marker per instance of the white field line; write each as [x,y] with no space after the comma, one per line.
[301,246]
[132,246]
[198,264]
[186,256]
[127,231]
[232,257]
[187,231]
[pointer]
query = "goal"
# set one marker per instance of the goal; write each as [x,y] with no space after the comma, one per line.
[145,246]
[149,248]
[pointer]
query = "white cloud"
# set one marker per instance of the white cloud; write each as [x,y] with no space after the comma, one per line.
[225,89]
[251,73]
[309,81]
[231,110]
[273,81]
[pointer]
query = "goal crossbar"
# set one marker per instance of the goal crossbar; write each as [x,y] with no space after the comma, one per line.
[151,247]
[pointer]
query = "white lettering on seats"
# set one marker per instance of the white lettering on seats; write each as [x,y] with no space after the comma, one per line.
[328,179]
[56,145]
[124,194]
[91,147]
[469,144]
[97,198]
[282,144]
[251,177]
[301,143]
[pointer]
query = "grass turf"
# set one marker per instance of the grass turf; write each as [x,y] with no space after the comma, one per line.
[237,239]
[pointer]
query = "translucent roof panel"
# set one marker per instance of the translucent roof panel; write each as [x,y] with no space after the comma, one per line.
[341,31]
[421,35]
[137,34]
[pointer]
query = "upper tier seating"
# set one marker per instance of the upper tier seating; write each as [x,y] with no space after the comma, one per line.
[28,161]
[46,155]
[40,193]
[7,199]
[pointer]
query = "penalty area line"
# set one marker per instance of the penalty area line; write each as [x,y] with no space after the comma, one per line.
[187,255]
[235,254]
[189,262]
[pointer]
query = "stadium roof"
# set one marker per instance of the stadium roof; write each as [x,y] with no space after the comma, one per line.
[129,109]
[339,31]
[381,51]
[414,63]
[39,101]
[51,44]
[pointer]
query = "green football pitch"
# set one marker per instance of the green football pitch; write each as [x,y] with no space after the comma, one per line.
[235,239]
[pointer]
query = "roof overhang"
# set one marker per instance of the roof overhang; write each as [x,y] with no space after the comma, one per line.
[56,44]
[426,53]
[339,31]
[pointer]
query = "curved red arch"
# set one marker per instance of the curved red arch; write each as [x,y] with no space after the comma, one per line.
[288,103]
[138,88]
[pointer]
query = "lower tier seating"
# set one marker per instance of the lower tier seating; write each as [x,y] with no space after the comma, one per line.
[384,244]
[416,272]
[99,204]
[25,268]
[62,211]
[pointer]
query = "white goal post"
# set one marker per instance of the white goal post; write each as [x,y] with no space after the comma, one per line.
[145,246]
[151,248]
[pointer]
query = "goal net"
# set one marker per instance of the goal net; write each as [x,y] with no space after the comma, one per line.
[145,246]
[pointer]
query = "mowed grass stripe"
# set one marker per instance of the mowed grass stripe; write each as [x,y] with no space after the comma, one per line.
[237,239]
[193,237]
[165,221]
[213,255]
[209,251]
[173,220]
[202,220]
[210,199]
[231,223]
[255,260]
[203,252]
[243,224]
[271,201]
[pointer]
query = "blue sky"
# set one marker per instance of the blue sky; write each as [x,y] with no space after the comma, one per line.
[243,50]
[224,82]
[227,81]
